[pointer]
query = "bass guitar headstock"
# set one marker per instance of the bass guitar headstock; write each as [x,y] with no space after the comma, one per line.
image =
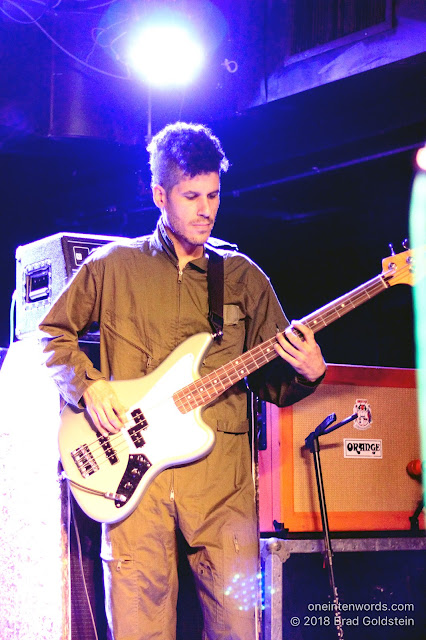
[406,267]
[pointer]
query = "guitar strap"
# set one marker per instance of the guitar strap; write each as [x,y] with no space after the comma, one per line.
[215,285]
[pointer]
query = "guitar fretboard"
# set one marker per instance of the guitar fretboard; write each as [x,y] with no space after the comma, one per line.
[343,305]
[211,386]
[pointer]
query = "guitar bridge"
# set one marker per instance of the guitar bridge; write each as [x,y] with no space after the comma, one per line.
[137,466]
[84,461]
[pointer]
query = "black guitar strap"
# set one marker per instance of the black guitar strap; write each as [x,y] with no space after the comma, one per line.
[215,284]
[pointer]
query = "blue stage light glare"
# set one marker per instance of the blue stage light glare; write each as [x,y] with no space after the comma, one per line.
[166,55]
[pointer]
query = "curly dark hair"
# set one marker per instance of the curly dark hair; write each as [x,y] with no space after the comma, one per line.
[184,149]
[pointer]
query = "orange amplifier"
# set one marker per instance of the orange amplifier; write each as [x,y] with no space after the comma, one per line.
[364,463]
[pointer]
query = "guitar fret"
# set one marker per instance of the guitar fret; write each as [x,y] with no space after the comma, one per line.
[212,385]
[196,394]
[314,324]
[328,314]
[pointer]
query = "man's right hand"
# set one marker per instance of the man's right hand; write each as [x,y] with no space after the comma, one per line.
[104,407]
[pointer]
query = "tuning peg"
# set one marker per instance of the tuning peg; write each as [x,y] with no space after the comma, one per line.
[405,244]
[391,249]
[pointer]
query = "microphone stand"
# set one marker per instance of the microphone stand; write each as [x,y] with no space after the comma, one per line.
[312,443]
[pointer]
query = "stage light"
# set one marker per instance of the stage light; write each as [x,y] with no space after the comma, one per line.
[421,158]
[166,55]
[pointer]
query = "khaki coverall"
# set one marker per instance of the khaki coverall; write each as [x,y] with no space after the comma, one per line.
[145,307]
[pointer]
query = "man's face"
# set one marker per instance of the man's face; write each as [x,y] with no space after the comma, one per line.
[189,209]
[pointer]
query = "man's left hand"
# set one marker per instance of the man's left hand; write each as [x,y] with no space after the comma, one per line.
[304,354]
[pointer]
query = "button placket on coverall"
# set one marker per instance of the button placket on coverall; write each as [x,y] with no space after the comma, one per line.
[222,535]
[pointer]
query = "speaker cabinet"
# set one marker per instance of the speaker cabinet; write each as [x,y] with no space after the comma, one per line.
[364,463]
[43,268]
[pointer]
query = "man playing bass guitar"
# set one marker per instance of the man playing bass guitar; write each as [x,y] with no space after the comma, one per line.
[148,296]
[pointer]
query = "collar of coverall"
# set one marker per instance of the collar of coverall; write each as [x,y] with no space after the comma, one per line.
[161,234]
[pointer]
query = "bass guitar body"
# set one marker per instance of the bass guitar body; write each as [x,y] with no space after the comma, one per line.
[109,475]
